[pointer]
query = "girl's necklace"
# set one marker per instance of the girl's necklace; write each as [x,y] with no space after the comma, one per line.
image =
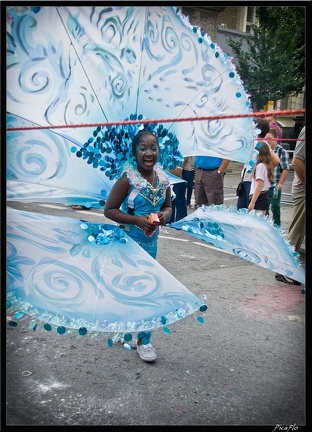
[152,184]
[154,179]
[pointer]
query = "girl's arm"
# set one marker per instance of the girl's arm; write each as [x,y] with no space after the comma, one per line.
[117,195]
[275,159]
[165,211]
[112,207]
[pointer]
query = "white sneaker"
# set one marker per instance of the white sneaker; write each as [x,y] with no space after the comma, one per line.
[147,352]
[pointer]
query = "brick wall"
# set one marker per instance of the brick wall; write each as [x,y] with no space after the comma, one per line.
[206,18]
[233,17]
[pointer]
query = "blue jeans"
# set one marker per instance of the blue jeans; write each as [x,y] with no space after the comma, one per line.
[275,204]
[243,199]
[179,207]
[188,176]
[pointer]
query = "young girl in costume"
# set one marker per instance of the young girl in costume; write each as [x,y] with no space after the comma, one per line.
[140,191]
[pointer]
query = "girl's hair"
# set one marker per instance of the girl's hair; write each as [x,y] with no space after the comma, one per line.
[137,137]
[264,156]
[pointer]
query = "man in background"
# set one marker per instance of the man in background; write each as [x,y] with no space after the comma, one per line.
[296,230]
[209,180]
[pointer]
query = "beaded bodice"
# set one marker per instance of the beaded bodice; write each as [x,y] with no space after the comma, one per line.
[148,198]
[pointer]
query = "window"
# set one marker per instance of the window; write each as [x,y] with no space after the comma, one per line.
[284,103]
[251,18]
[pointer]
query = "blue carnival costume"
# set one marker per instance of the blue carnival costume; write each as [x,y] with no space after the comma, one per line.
[143,200]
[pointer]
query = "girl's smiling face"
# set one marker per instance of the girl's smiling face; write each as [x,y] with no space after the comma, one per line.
[146,151]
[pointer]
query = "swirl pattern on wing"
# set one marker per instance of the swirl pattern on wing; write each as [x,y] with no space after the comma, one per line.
[105,63]
[29,156]
[249,236]
[74,278]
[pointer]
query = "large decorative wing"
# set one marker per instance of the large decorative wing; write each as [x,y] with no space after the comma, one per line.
[88,275]
[76,66]
[249,236]
[86,65]
[43,166]
[75,76]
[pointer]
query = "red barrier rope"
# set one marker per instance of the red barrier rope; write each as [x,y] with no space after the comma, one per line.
[170,120]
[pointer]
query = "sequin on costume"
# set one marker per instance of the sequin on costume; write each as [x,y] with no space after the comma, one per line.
[148,199]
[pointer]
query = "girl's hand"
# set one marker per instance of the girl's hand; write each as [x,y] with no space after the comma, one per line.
[251,206]
[143,223]
[161,218]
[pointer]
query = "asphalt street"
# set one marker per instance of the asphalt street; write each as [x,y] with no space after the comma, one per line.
[245,366]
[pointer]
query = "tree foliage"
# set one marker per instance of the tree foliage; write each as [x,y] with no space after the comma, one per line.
[274,64]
